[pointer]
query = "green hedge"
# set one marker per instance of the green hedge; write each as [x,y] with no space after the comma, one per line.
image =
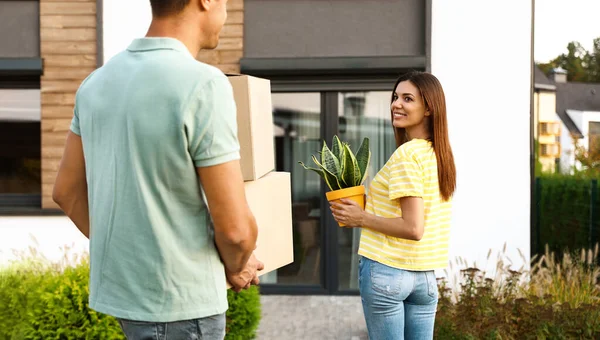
[563,213]
[41,301]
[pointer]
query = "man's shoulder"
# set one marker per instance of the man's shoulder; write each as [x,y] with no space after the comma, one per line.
[177,72]
[192,69]
[85,81]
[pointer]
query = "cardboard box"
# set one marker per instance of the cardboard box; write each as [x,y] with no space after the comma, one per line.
[255,125]
[270,199]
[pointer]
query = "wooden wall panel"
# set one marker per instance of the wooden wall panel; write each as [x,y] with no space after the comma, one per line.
[231,44]
[68,48]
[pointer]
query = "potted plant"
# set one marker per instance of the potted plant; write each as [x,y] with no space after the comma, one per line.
[342,171]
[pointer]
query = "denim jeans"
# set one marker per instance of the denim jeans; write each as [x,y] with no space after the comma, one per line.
[398,304]
[209,328]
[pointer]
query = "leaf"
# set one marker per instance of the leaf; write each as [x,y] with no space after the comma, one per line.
[344,167]
[363,157]
[330,179]
[351,174]
[330,161]
[319,171]
[337,148]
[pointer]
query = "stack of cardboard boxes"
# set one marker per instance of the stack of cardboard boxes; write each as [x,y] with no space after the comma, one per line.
[268,192]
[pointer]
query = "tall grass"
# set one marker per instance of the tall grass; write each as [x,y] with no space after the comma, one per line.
[575,281]
[553,299]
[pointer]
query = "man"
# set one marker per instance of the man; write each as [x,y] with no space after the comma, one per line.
[152,129]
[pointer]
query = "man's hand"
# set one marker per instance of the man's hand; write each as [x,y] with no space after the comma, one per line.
[248,276]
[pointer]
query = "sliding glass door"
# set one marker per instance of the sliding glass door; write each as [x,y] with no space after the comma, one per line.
[297,132]
[360,115]
[325,260]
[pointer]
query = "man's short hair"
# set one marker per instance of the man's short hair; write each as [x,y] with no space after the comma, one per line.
[163,8]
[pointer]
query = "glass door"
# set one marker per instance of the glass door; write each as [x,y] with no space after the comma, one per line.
[360,115]
[325,255]
[297,133]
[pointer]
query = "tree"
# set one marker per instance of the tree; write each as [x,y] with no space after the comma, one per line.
[588,158]
[594,66]
[581,65]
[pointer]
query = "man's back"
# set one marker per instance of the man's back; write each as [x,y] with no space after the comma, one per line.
[147,119]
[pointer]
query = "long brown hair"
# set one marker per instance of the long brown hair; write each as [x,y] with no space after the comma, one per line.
[434,100]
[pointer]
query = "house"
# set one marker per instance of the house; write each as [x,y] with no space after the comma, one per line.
[577,107]
[547,125]
[332,66]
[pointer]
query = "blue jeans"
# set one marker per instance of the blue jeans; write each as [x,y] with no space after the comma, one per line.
[209,328]
[398,304]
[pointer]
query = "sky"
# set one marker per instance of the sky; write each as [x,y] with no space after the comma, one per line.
[558,22]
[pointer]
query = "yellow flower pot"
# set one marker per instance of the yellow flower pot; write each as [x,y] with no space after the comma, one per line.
[357,194]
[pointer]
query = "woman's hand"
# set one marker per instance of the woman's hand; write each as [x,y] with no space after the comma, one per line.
[348,212]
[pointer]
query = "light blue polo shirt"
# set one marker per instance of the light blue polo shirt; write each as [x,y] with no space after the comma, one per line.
[147,119]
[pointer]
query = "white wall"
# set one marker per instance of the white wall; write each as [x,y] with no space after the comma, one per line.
[124,20]
[578,118]
[52,237]
[481,52]
[582,119]
[567,154]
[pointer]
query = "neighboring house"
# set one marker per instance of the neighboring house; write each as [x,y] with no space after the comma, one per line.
[578,108]
[330,74]
[547,125]
[578,105]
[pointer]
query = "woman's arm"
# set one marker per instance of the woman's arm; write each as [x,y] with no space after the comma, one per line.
[410,226]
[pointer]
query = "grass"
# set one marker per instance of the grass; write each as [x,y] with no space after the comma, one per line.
[553,299]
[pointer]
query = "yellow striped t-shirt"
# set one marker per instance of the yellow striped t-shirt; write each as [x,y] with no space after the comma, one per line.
[411,171]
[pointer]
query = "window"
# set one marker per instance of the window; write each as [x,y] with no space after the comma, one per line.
[20,70]
[20,142]
[550,150]
[550,128]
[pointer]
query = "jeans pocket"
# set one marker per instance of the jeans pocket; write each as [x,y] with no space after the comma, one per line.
[386,280]
[432,288]
[139,329]
[212,327]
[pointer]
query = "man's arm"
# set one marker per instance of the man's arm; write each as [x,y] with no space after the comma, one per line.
[70,189]
[235,226]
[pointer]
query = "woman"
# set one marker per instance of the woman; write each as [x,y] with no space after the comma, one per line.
[406,223]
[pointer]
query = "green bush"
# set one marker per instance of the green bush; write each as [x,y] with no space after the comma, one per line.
[553,300]
[243,315]
[42,300]
[564,213]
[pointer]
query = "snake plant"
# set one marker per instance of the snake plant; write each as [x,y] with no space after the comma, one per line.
[339,167]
